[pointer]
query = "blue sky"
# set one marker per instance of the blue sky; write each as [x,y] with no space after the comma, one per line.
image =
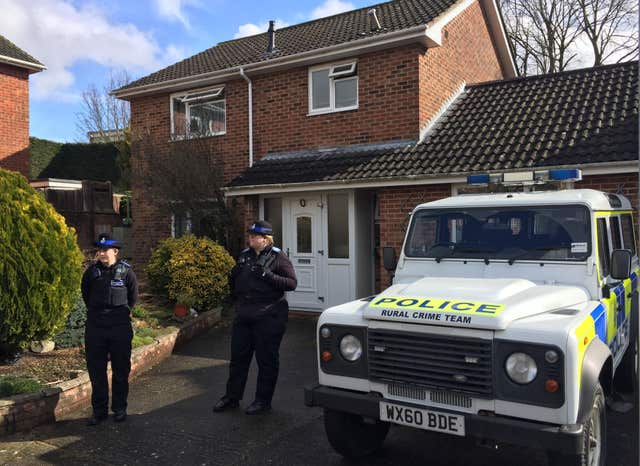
[81,41]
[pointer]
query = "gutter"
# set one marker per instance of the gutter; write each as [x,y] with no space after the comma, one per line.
[603,168]
[250,91]
[35,67]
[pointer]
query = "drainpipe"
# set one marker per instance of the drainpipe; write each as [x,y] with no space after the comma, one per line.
[249,84]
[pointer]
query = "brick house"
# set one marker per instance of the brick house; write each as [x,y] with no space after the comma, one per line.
[335,129]
[15,67]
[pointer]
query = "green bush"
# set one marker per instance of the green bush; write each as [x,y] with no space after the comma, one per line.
[10,385]
[139,341]
[73,333]
[40,264]
[139,311]
[193,267]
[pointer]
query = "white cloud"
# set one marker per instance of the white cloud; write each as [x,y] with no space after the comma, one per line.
[328,8]
[251,29]
[331,7]
[173,10]
[60,35]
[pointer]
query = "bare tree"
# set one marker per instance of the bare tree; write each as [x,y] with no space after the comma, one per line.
[108,118]
[102,113]
[541,33]
[612,29]
[186,179]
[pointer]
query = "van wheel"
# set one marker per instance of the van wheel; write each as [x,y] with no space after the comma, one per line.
[595,439]
[350,436]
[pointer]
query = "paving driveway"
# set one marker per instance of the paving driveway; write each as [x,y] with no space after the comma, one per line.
[171,422]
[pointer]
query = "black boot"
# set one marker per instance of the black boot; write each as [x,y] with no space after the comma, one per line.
[258,407]
[96,419]
[224,404]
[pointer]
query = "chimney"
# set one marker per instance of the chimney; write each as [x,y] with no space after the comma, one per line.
[372,17]
[271,34]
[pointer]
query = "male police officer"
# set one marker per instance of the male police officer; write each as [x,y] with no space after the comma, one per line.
[258,281]
[109,290]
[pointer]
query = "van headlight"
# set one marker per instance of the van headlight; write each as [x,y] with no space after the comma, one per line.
[521,368]
[350,348]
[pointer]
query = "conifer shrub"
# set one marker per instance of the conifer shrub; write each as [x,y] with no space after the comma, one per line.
[73,333]
[193,267]
[40,265]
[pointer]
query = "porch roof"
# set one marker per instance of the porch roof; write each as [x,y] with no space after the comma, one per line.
[586,116]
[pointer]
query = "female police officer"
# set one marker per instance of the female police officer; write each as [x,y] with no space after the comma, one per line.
[258,281]
[109,290]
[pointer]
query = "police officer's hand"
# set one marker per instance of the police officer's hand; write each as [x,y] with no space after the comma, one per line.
[257,272]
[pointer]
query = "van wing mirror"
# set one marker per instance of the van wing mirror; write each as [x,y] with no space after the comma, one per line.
[620,264]
[389,258]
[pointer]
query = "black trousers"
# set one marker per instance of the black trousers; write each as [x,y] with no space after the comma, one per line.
[101,344]
[261,335]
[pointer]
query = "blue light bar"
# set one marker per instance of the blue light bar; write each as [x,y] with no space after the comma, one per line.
[565,174]
[480,178]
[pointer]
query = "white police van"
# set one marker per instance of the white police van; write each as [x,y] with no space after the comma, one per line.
[511,318]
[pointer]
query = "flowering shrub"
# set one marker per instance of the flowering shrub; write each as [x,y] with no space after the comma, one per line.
[197,268]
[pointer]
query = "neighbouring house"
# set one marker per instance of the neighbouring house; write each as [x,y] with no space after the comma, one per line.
[16,66]
[334,129]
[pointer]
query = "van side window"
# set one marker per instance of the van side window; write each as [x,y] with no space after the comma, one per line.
[616,239]
[604,255]
[627,233]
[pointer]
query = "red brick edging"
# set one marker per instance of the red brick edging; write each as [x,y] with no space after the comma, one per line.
[22,412]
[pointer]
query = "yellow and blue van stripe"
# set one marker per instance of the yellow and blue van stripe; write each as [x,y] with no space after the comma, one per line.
[607,318]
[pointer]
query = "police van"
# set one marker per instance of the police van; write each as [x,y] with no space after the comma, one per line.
[512,318]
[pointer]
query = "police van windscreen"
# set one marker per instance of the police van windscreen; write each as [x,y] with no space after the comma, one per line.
[559,233]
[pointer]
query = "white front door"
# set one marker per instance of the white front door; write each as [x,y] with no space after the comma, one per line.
[304,244]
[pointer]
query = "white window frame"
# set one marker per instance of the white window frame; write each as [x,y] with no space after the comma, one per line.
[194,96]
[334,76]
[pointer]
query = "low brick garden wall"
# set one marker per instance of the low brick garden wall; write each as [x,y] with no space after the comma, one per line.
[23,412]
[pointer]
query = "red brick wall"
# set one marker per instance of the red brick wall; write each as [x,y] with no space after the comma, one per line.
[399,90]
[466,55]
[14,119]
[395,204]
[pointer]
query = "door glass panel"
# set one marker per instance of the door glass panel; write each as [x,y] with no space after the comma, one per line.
[603,247]
[627,233]
[303,235]
[615,233]
[273,215]
[338,226]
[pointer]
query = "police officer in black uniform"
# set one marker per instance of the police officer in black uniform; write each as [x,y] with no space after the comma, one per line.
[258,281]
[109,290]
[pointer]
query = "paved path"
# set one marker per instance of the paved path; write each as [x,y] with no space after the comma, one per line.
[171,423]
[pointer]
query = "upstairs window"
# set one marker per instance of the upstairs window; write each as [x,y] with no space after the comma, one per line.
[198,114]
[333,88]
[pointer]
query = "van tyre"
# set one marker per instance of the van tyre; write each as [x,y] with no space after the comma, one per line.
[595,438]
[351,436]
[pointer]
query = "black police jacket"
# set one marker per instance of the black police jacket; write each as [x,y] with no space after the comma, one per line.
[257,282]
[109,293]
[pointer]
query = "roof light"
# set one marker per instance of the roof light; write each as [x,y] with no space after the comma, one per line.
[482,178]
[485,178]
[565,174]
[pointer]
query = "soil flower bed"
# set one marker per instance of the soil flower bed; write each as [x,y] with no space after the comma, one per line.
[34,371]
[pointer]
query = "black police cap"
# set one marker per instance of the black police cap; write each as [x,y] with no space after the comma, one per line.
[261,227]
[105,242]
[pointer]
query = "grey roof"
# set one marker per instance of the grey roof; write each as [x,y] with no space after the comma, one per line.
[324,32]
[11,50]
[572,118]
